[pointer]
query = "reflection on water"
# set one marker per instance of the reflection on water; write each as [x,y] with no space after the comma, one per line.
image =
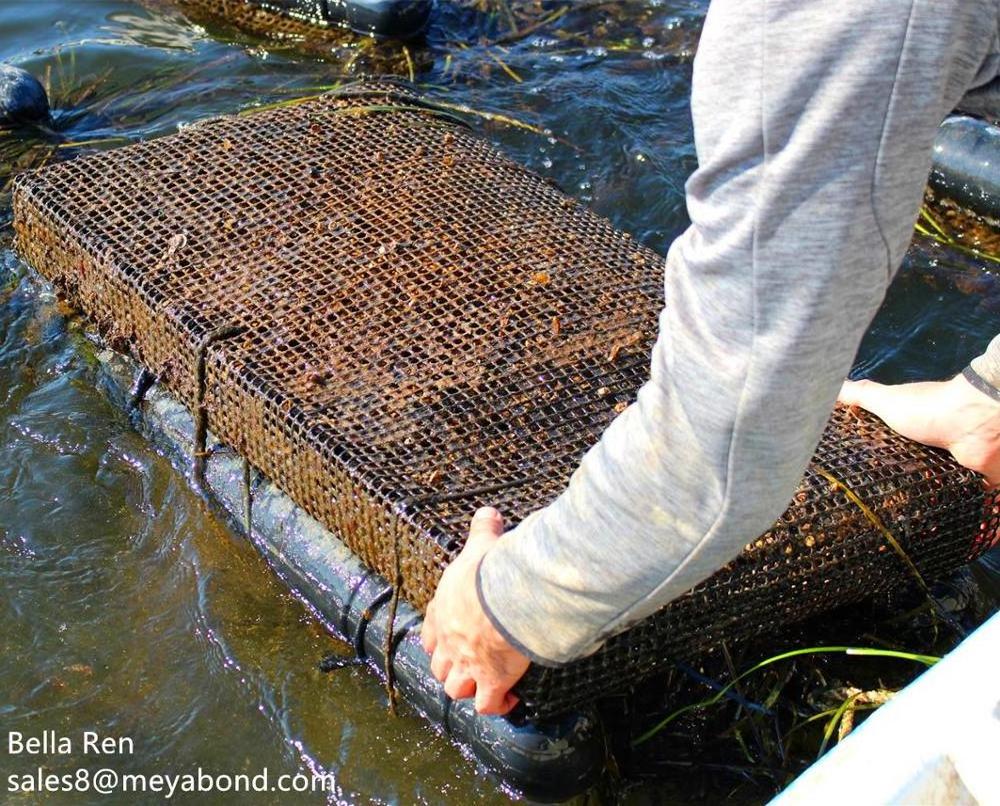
[164,30]
[128,608]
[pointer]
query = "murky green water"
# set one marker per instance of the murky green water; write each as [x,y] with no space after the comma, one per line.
[128,608]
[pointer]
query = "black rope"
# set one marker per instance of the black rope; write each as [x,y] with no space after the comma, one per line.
[389,648]
[143,383]
[201,412]
[247,500]
[366,616]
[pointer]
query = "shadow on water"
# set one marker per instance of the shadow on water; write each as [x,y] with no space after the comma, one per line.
[129,608]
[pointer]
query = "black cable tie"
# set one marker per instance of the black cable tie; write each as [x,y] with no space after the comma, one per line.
[366,616]
[389,647]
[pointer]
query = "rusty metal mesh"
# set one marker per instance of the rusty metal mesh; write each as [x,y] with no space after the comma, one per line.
[396,323]
[265,19]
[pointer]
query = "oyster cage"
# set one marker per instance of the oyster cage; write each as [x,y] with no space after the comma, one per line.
[315,20]
[396,324]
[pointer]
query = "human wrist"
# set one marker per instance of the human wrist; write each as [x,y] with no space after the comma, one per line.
[498,605]
[983,371]
[968,394]
[969,377]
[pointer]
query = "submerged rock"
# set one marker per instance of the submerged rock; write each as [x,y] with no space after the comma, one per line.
[22,97]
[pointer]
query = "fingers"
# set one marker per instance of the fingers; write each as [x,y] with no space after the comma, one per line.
[495,700]
[459,685]
[486,515]
[510,701]
[490,700]
[458,636]
[486,526]
[428,631]
[866,394]
[440,666]
[428,639]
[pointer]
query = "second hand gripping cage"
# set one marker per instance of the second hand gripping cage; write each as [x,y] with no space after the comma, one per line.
[396,324]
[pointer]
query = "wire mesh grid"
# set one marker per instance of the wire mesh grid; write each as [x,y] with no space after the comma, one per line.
[396,323]
[276,20]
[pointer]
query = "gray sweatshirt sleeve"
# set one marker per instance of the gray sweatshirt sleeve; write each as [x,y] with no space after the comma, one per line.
[984,371]
[814,123]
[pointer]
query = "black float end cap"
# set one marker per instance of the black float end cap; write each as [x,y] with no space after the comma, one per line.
[22,97]
[393,19]
[385,19]
[547,762]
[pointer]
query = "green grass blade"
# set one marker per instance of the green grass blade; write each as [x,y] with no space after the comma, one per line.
[927,660]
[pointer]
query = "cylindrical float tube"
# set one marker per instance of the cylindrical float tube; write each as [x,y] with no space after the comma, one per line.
[967,164]
[545,761]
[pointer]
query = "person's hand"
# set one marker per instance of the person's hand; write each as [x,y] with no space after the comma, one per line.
[467,653]
[948,414]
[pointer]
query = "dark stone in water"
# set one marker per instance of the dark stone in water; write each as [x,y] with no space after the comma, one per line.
[22,98]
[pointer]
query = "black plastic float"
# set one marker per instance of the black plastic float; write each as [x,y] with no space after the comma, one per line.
[399,19]
[967,164]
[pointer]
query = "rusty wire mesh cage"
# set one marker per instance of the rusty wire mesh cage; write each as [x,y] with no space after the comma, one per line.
[263,18]
[396,324]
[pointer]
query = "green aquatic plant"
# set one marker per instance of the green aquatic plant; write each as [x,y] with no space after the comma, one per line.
[840,718]
[517,33]
[506,68]
[874,519]
[438,108]
[929,226]
[927,660]
[95,141]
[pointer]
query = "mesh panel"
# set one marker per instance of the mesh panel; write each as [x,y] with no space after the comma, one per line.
[264,18]
[397,324]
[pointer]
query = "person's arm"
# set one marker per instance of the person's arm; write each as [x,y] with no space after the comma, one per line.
[814,124]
